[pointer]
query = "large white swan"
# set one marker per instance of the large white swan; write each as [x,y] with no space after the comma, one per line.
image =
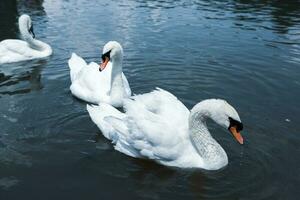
[158,126]
[13,50]
[105,84]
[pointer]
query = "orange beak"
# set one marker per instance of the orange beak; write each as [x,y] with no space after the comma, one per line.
[104,64]
[236,134]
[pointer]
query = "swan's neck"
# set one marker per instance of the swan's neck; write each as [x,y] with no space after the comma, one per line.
[38,45]
[33,43]
[207,147]
[117,87]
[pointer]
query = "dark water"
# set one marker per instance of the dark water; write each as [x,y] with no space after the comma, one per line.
[247,52]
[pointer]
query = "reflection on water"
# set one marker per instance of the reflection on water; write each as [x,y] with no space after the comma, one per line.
[285,15]
[8,182]
[245,51]
[8,16]
[19,80]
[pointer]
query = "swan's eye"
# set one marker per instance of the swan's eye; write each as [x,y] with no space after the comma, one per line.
[106,55]
[237,124]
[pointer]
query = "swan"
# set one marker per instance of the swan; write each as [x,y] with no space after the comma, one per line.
[13,50]
[104,83]
[159,127]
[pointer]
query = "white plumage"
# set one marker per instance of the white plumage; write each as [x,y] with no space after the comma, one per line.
[91,85]
[158,126]
[13,50]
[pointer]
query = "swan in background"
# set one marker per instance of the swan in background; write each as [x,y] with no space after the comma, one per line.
[12,50]
[158,126]
[104,83]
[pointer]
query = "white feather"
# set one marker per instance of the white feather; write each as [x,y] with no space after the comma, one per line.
[13,50]
[91,85]
[156,126]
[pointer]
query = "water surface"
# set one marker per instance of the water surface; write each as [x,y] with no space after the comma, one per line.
[247,52]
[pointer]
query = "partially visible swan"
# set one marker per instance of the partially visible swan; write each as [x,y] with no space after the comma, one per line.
[105,84]
[158,126]
[13,50]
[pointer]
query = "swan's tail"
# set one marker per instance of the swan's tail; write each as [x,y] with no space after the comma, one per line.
[112,124]
[76,63]
[101,111]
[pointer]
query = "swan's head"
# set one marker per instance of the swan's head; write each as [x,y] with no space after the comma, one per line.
[25,26]
[222,113]
[226,116]
[111,51]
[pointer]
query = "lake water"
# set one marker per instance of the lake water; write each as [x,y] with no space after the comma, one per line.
[247,52]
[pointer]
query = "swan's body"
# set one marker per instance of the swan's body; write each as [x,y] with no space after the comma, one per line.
[13,50]
[109,85]
[158,126]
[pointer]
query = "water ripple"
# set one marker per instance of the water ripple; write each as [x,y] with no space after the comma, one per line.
[246,52]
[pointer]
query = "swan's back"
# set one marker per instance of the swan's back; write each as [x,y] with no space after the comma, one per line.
[89,84]
[155,127]
[159,102]
[76,63]
[14,51]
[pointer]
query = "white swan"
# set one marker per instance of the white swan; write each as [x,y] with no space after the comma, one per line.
[105,84]
[12,50]
[158,126]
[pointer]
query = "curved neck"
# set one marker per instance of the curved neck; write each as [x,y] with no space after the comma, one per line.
[117,87]
[38,45]
[207,147]
[33,43]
